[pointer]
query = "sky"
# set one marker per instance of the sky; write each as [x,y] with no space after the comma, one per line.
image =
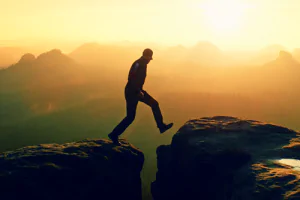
[229,24]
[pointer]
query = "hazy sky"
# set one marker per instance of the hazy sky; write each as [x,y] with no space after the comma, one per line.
[230,24]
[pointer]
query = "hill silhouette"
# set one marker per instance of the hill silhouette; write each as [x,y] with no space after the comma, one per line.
[284,61]
[51,67]
[206,53]
[54,58]
[56,68]
[269,53]
[27,58]
[10,55]
[281,73]
[202,53]
[38,85]
[94,54]
[296,54]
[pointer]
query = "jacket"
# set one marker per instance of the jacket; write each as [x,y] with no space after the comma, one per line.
[137,75]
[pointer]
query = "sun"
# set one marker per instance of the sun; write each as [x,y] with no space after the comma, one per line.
[224,16]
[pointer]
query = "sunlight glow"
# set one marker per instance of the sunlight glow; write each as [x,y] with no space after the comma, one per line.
[225,16]
[229,24]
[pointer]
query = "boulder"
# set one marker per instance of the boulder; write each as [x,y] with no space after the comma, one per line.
[225,158]
[88,169]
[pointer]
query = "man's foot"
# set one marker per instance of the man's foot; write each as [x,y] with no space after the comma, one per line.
[114,139]
[165,127]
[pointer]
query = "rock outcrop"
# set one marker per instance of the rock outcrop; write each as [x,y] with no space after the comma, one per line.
[89,169]
[225,158]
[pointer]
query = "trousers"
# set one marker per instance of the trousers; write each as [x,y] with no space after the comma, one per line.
[132,99]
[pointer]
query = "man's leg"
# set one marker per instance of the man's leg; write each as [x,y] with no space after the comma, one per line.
[131,104]
[150,101]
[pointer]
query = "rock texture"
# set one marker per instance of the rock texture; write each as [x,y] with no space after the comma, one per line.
[89,169]
[226,158]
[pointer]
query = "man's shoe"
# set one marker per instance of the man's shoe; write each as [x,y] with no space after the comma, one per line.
[165,127]
[114,139]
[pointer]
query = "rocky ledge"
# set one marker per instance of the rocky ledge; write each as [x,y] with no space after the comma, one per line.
[89,169]
[226,158]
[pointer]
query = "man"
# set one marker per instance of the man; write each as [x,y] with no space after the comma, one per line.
[134,93]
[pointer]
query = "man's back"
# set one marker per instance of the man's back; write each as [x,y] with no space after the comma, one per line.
[137,74]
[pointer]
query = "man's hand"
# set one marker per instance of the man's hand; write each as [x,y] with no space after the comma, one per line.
[141,95]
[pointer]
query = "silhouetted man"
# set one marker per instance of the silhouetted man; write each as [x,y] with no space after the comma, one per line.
[134,93]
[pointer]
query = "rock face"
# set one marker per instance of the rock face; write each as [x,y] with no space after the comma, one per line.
[226,158]
[89,169]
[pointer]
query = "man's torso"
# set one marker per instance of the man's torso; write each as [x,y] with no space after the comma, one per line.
[137,74]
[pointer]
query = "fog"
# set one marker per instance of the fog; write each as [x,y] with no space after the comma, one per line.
[59,97]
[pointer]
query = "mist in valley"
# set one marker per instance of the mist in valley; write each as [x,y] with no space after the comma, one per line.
[56,97]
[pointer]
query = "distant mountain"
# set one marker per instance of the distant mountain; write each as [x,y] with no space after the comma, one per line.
[87,47]
[296,54]
[272,50]
[201,54]
[278,76]
[54,57]
[105,55]
[284,60]
[206,54]
[268,53]
[205,46]
[10,55]
[175,53]
[282,73]
[286,57]
[50,68]
[27,58]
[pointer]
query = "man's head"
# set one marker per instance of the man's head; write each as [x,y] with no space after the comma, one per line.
[147,54]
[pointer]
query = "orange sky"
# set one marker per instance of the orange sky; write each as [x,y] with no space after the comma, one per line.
[230,24]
